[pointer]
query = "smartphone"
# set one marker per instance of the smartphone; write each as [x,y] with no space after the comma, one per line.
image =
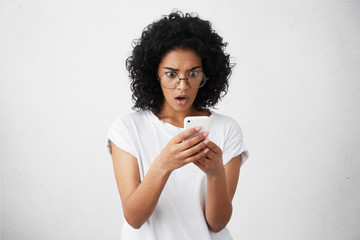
[198,121]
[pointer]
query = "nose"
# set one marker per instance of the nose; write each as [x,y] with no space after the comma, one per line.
[183,84]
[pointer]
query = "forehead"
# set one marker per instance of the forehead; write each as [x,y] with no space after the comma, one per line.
[180,59]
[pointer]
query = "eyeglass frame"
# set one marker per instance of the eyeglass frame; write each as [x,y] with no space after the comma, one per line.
[178,82]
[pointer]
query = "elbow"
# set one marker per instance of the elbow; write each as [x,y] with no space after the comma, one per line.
[217,229]
[133,221]
[134,215]
[135,226]
[221,221]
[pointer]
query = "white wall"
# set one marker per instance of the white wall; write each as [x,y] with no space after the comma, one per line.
[295,92]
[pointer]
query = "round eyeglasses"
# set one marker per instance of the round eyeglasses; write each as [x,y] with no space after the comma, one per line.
[172,80]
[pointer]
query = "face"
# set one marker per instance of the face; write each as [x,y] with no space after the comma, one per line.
[182,62]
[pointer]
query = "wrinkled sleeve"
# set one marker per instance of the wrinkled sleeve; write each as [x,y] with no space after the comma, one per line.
[119,135]
[234,144]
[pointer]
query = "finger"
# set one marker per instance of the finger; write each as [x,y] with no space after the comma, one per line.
[194,157]
[198,147]
[200,165]
[185,134]
[209,154]
[205,159]
[205,151]
[194,141]
[213,147]
[212,159]
[198,162]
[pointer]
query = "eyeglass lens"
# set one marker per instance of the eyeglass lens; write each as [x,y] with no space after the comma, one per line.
[172,80]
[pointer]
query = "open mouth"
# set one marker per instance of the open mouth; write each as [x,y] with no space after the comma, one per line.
[181,98]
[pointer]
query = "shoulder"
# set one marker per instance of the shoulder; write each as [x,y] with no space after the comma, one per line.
[223,119]
[228,135]
[224,124]
[132,117]
[130,122]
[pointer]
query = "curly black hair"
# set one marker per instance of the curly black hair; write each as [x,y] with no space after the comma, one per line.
[185,31]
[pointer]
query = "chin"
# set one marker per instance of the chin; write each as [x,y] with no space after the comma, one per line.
[181,109]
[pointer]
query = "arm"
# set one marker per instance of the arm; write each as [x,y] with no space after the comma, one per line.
[221,185]
[220,192]
[138,198]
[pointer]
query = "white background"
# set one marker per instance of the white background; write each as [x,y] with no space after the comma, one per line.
[295,92]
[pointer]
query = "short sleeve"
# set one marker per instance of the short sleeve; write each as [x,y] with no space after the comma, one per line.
[119,135]
[234,144]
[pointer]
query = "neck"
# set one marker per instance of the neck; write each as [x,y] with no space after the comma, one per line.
[176,118]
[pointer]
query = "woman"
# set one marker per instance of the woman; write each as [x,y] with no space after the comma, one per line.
[171,188]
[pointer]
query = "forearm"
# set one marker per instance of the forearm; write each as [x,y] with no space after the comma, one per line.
[218,203]
[142,202]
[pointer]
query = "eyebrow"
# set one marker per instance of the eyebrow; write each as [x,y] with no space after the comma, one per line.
[176,70]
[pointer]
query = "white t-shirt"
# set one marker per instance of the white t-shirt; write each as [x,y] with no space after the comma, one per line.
[179,213]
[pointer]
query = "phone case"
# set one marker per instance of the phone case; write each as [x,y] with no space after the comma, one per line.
[202,121]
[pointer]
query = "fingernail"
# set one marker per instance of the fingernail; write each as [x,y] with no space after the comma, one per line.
[206,150]
[206,141]
[205,134]
[197,129]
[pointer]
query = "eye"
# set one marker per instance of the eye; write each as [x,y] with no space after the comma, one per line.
[171,74]
[194,74]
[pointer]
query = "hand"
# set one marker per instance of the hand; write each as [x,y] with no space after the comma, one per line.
[211,161]
[178,152]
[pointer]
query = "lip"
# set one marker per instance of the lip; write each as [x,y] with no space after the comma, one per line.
[183,101]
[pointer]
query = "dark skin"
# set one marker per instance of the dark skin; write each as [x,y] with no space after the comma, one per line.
[139,198]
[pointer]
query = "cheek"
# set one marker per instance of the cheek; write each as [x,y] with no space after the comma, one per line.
[195,92]
[166,93]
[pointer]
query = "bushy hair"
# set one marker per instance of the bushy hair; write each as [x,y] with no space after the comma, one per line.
[185,31]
